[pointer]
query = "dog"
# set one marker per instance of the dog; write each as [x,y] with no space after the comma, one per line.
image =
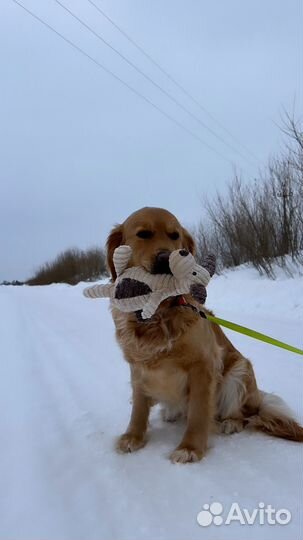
[181,360]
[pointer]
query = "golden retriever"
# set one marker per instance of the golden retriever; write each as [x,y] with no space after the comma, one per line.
[179,359]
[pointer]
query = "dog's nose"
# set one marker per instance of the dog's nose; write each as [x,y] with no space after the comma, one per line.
[161,263]
[163,256]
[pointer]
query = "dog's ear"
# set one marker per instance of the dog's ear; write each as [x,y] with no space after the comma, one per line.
[188,241]
[114,240]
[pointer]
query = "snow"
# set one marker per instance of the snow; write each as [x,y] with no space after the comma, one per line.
[65,396]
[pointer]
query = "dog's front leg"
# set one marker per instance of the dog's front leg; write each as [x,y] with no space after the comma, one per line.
[135,436]
[199,416]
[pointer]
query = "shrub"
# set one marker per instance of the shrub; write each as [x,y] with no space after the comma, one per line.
[72,266]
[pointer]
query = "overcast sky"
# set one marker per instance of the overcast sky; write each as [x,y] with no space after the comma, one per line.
[79,151]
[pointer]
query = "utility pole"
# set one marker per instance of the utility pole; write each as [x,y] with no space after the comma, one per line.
[286,193]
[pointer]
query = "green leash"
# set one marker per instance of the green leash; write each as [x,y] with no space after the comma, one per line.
[252,333]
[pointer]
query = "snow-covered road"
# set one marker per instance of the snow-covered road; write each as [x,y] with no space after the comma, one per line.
[64,396]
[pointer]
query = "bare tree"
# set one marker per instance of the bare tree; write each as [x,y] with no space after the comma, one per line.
[261,221]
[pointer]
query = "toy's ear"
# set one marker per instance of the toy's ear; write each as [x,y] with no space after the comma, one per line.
[188,241]
[121,258]
[114,240]
[209,263]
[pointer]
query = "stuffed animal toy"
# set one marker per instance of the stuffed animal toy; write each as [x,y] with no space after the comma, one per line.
[136,289]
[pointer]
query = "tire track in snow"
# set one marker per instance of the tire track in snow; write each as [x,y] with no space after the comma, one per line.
[52,435]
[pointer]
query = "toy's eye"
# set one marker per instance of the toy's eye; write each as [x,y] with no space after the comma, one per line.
[174,235]
[194,273]
[145,234]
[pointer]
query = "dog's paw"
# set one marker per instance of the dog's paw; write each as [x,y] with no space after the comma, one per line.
[186,455]
[129,443]
[231,425]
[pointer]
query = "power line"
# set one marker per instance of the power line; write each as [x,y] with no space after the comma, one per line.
[112,74]
[171,78]
[148,78]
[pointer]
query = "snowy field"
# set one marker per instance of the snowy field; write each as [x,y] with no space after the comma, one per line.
[64,394]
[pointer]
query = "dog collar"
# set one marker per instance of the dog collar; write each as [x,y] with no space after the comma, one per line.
[178,301]
[181,301]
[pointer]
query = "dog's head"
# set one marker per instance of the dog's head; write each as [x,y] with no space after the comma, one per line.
[152,233]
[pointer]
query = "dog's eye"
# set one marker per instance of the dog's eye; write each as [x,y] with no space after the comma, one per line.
[174,235]
[145,234]
[194,273]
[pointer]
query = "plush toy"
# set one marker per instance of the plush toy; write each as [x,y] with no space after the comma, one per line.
[136,289]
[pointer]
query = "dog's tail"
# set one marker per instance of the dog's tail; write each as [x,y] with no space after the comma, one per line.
[276,419]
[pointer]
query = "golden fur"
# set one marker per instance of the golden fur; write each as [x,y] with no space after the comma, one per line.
[183,361]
